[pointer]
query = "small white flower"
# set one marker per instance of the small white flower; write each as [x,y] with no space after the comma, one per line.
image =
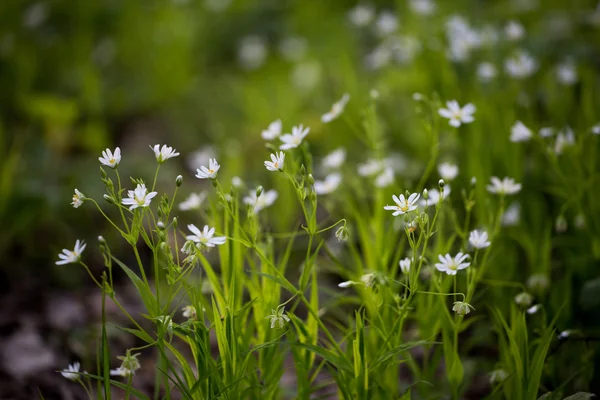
[546,132]
[514,31]
[486,71]
[138,197]
[566,73]
[78,199]
[237,182]
[533,309]
[448,171]
[345,284]
[293,140]
[261,202]
[538,282]
[405,265]
[462,308]
[451,265]
[200,157]
[456,114]
[519,132]
[111,159]
[565,138]
[72,372]
[498,376]
[71,257]
[189,311]
[276,163]
[278,317]
[370,168]
[361,15]
[123,372]
[422,7]
[403,205]
[595,129]
[330,184]
[293,48]
[252,51]
[336,109]
[273,131]
[512,215]
[386,23]
[193,202]
[164,153]
[433,196]
[506,186]
[335,159]
[524,299]
[479,239]
[386,178]
[521,65]
[210,172]
[205,238]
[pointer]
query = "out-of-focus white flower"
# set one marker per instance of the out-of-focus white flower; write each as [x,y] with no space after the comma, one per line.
[293,140]
[387,23]
[252,52]
[205,238]
[72,372]
[486,71]
[404,48]
[138,197]
[72,256]
[278,317]
[422,7]
[565,138]
[506,186]
[498,376]
[512,215]
[524,299]
[276,163]
[189,311]
[379,57]
[533,309]
[405,265]
[462,38]
[273,131]
[361,15]
[538,282]
[433,196]
[193,202]
[546,132]
[456,114]
[519,132]
[335,159]
[293,48]
[403,205]
[385,179]
[78,199]
[336,109]
[370,168]
[306,75]
[521,65]
[514,31]
[111,159]
[566,73]
[396,161]
[210,172]
[595,129]
[200,157]
[329,185]
[261,202]
[479,239]
[579,221]
[216,5]
[451,265]
[462,308]
[448,171]
[164,153]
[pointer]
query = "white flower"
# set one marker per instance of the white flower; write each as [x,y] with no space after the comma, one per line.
[189,312]
[276,163]
[293,48]
[533,309]
[111,159]
[566,73]
[124,372]
[370,168]
[403,205]
[336,109]
[164,153]
[210,172]
[564,139]
[486,71]
[422,7]
[433,196]
[405,265]
[335,159]
[330,184]
[386,23]
[519,132]
[278,317]
[546,132]
[138,197]
[451,265]
[193,202]
[293,140]
[448,171]
[504,186]
[385,179]
[200,157]
[514,31]
[596,129]
[72,372]
[205,237]
[524,299]
[456,114]
[273,131]
[512,215]
[237,182]
[261,202]
[252,52]
[498,376]
[78,199]
[346,284]
[521,65]
[479,239]
[361,15]
[71,257]
[462,308]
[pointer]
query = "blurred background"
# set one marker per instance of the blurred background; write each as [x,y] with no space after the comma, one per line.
[206,76]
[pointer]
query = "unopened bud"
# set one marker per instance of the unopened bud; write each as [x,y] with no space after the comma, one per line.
[179,180]
[175,223]
[259,191]
[101,239]
[311,180]
[561,224]
[342,233]
[425,194]
[441,183]
[524,299]
[103,173]
[109,199]
[160,225]
[302,170]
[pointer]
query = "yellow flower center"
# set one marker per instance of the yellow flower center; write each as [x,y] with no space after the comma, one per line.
[404,207]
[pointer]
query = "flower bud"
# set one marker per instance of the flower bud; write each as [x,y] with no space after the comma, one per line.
[259,191]
[425,194]
[441,184]
[103,173]
[175,223]
[345,284]
[374,93]
[178,180]
[302,170]
[342,233]
[160,225]
[561,224]
[101,239]
[311,180]
[524,299]
[538,282]
[109,199]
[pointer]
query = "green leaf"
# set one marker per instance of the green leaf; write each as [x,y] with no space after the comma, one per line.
[328,355]
[142,288]
[383,359]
